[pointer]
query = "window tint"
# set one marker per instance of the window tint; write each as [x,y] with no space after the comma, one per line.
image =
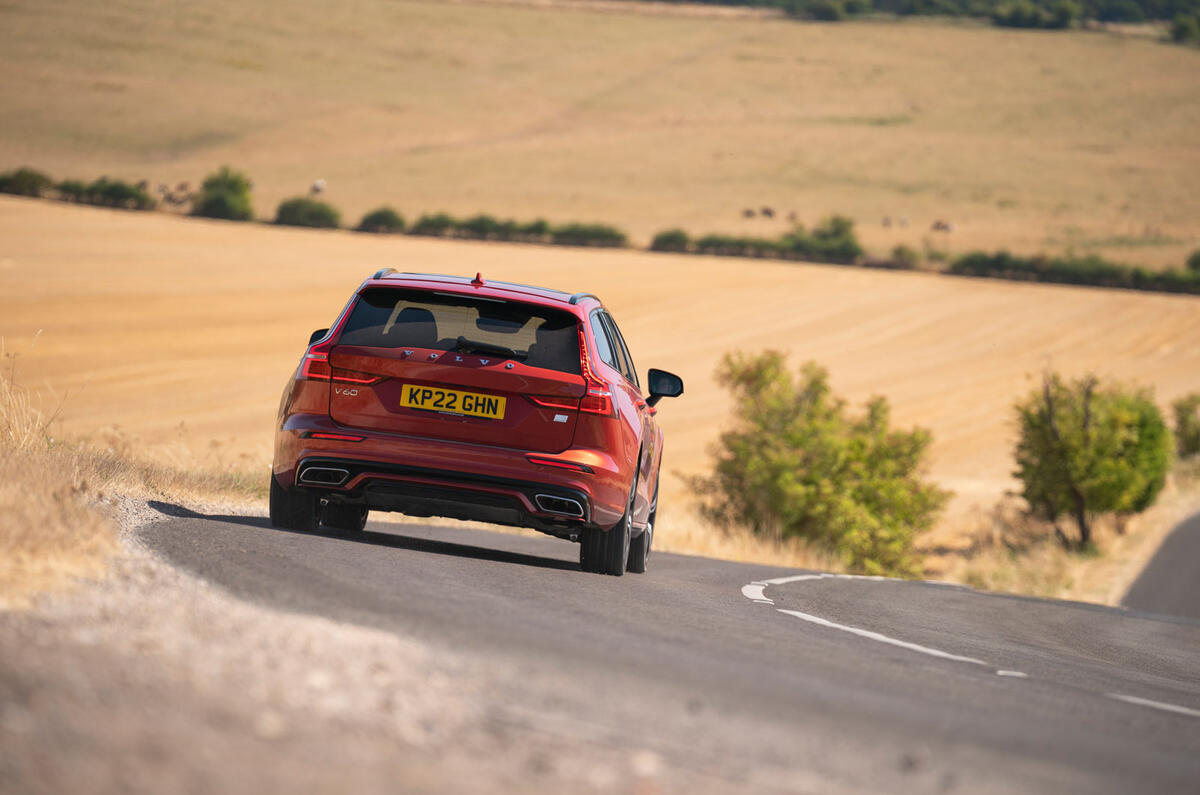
[603,345]
[385,317]
[627,367]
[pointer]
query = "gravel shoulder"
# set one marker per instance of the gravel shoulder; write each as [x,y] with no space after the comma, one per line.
[152,680]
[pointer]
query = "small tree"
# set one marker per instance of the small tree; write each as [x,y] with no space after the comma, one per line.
[1187,425]
[384,220]
[1193,262]
[225,194]
[303,211]
[797,464]
[1085,451]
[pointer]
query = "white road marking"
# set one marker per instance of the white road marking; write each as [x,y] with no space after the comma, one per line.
[866,633]
[1145,702]
[756,591]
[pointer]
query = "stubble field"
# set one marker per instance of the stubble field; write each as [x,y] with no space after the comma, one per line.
[1025,140]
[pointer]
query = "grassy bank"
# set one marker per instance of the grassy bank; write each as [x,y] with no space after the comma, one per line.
[54,497]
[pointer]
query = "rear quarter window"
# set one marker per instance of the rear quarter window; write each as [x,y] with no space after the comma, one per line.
[385,317]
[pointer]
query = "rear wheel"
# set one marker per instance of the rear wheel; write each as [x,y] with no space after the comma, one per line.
[589,551]
[293,509]
[639,547]
[344,518]
[614,545]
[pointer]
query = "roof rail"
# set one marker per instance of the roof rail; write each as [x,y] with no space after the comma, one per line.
[379,274]
[580,296]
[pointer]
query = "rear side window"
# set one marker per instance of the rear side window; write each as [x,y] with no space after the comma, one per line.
[387,317]
[626,367]
[603,344]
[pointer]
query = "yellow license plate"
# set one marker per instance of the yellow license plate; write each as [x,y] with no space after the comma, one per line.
[452,401]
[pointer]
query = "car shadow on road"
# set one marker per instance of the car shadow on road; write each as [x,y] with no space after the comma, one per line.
[391,540]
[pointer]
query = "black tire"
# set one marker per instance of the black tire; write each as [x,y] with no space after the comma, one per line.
[639,546]
[293,509]
[589,551]
[614,545]
[344,518]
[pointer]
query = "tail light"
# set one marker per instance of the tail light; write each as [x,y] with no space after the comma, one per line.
[316,367]
[553,402]
[597,399]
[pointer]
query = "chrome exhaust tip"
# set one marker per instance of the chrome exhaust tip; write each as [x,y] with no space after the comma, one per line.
[563,506]
[324,476]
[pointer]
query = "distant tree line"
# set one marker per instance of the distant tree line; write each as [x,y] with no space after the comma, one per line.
[1009,13]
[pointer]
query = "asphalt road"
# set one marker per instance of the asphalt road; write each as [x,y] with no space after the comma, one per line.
[1170,583]
[813,684]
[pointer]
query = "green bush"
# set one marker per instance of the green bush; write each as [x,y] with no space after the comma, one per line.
[106,192]
[905,257]
[303,211]
[482,227]
[817,10]
[25,182]
[1024,14]
[383,220]
[1084,450]
[1185,29]
[72,190]
[671,240]
[225,194]
[798,464]
[1187,425]
[536,231]
[437,225]
[588,235]
[1193,262]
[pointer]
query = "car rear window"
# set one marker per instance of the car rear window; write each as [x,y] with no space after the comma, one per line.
[388,317]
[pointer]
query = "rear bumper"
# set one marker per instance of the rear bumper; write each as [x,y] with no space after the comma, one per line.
[430,477]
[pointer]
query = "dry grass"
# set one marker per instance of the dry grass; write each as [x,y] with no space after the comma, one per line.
[1006,550]
[55,531]
[1024,140]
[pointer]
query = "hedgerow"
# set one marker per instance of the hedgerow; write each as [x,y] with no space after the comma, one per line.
[833,240]
[1093,271]
[383,220]
[485,227]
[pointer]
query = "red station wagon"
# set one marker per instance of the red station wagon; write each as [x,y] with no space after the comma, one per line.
[496,402]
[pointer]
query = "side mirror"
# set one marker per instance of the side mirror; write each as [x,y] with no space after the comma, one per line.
[662,384]
[316,335]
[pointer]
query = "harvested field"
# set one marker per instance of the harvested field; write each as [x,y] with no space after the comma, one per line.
[175,336]
[1080,141]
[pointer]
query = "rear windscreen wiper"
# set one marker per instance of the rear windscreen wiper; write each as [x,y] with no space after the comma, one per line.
[465,345]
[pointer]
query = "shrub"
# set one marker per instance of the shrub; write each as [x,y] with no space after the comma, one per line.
[383,220]
[225,194]
[818,10]
[106,192]
[437,225]
[588,235]
[303,211]
[833,240]
[1185,29]
[1024,14]
[905,257]
[797,464]
[1193,262]
[1084,450]
[1120,11]
[25,182]
[481,227]
[1187,425]
[72,190]
[671,240]
[536,231]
